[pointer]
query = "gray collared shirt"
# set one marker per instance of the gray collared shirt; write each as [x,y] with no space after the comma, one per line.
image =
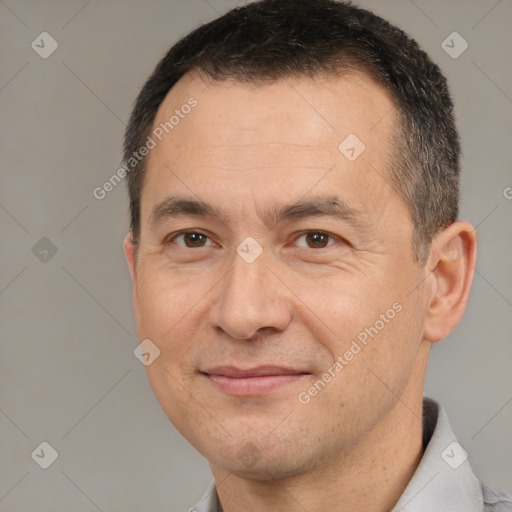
[442,482]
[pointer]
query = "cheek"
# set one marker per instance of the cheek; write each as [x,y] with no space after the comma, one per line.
[373,361]
[349,305]
[374,326]
[167,317]
[164,308]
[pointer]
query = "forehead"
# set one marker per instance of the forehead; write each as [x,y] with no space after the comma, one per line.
[272,141]
[240,124]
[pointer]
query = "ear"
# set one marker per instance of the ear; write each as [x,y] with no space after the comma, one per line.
[452,263]
[130,253]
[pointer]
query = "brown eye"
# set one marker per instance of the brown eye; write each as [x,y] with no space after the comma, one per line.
[190,239]
[316,239]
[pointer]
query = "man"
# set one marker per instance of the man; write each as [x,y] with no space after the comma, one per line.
[293,174]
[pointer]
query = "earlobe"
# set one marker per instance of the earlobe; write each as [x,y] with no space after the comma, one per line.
[130,254]
[452,260]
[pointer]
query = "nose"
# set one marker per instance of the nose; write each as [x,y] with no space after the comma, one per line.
[250,300]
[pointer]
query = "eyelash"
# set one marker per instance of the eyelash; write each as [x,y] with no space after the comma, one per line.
[171,238]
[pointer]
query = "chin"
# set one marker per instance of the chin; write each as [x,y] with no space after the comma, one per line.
[263,470]
[248,457]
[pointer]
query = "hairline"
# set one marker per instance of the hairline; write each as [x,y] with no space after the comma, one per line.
[350,66]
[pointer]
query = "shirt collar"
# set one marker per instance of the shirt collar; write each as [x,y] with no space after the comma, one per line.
[209,502]
[443,480]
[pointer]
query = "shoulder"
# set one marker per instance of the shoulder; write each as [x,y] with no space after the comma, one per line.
[495,501]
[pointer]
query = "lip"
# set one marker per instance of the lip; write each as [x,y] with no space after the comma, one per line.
[252,381]
[258,371]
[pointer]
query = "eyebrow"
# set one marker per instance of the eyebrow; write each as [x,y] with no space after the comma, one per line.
[320,206]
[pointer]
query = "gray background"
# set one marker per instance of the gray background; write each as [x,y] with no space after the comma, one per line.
[68,373]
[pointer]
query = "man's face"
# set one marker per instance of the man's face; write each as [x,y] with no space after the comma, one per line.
[247,326]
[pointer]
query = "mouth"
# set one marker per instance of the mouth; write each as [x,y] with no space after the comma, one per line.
[252,381]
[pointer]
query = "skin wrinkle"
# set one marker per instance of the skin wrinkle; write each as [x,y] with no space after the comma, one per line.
[325,207]
[293,306]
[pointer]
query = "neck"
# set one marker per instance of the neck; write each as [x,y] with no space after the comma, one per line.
[371,476]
